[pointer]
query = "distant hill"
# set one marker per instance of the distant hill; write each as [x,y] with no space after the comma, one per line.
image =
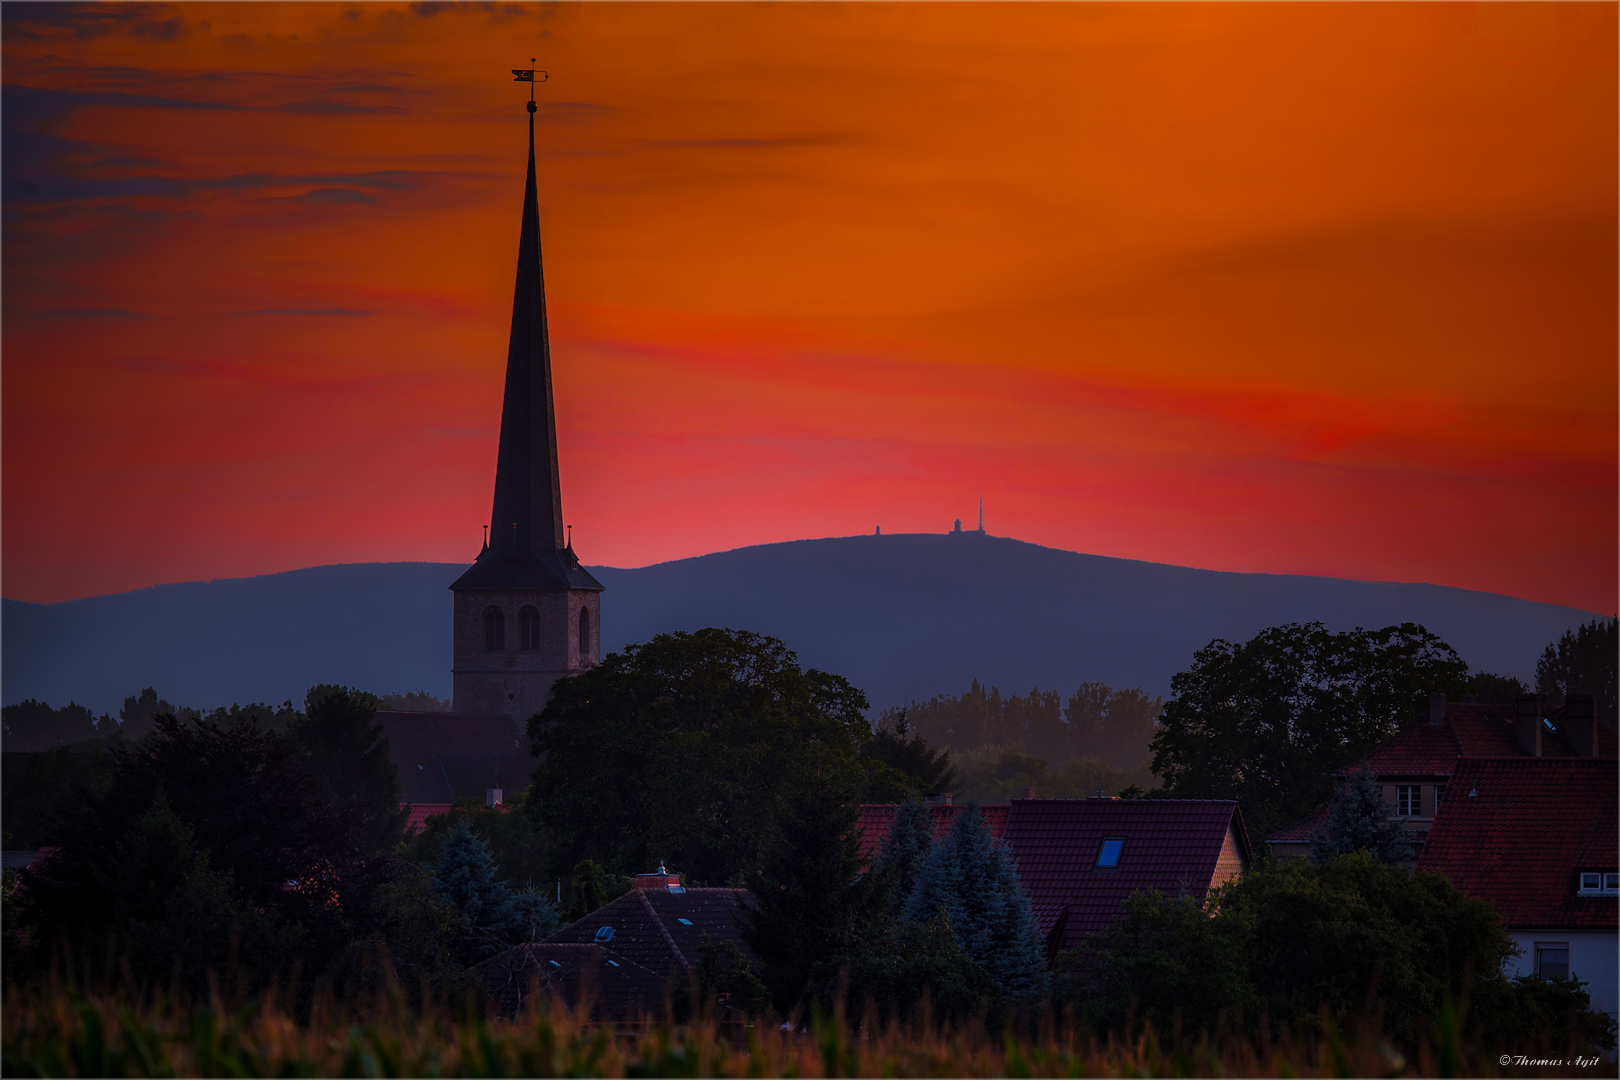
[901,616]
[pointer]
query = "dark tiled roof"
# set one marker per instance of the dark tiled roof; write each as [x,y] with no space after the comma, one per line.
[616,988]
[1170,844]
[647,926]
[1520,840]
[1300,831]
[877,818]
[442,757]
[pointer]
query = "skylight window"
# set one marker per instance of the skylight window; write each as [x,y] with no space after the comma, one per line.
[604,933]
[684,922]
[1108,857]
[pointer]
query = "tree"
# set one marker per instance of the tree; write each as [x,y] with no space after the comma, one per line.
[895,744]
[1114,725]
[906,849]
[811,902]
[348,750]
[1267,722]
[466,878]
[1324,936]
[903,966]
[138,717]
[1163,962]
[517,846]
[974,883]
[34,725]
[1295,941]
[1582,661]
[681,748]
[587,890]
[723,980]
[248,802]
[1359,820]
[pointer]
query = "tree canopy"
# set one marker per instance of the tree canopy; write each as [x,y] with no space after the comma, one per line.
[1583,661]
[685,749]
[1267,722]
[1096,721]
[1295,940]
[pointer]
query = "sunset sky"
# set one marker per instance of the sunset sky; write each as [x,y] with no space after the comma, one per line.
[1308,288]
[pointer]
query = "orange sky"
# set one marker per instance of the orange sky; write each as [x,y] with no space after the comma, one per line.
[1308,289]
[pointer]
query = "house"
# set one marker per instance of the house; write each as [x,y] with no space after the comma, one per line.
[417,817]
[1079,859]
[1537,837]
[1414,766]
[623,958]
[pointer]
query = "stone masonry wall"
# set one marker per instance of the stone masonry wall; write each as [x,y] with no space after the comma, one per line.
[514,681]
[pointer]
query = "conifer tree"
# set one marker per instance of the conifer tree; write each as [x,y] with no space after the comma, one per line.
[466,877]
[906,849]
[1359,820]
[976,885]
[811,903]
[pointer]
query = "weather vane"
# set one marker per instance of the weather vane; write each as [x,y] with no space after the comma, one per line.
[530,76]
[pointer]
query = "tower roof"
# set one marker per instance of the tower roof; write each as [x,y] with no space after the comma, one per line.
[526,547]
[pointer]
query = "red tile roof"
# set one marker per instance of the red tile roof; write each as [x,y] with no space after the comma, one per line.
[877,818]
[1468,730]
[420,812]
[1529,827]
[1170,844]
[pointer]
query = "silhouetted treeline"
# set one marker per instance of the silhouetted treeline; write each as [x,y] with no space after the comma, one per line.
[1096,721]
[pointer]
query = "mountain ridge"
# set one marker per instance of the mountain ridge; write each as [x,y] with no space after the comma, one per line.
[903,616]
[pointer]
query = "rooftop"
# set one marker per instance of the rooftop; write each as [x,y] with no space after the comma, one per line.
[1517,830]
[1171,845]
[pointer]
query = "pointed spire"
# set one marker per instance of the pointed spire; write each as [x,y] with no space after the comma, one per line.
[526,525]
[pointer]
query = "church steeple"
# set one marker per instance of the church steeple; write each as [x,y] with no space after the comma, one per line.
[526,548]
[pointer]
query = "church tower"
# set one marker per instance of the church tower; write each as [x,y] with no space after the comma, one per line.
[526,612]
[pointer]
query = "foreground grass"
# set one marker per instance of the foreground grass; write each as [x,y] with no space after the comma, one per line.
[57,1032]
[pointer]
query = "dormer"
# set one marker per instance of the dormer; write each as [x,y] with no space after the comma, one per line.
[1598,883]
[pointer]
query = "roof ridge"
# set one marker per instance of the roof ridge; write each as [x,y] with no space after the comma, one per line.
[662,929]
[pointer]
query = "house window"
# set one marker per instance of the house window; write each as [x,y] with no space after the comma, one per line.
[1552,959]
[1409,801]
[1439,793]
[529,629]
[1598,883]
[494,629]
[1108,857]
[584,634]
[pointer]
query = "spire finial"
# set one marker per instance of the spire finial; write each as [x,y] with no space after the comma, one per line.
[530,76]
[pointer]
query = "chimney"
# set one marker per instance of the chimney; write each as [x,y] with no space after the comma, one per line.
[1029,793]
[1528,728]
[937,800]
[492,796]
[1437,709]
[659,879]
[1580,725]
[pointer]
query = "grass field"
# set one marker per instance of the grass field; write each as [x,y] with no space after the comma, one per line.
[59,1032]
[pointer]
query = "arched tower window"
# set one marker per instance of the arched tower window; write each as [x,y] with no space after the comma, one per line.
[529,629]
[584,635]
[494,629]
